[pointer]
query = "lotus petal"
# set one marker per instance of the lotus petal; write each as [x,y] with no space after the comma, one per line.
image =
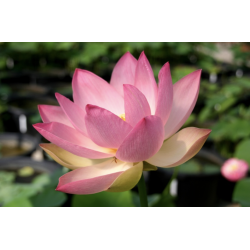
[68,159]
[72,140]
[145,81]
[136,105]
[180,147]
[143,141]
[165,94]
[100,177]
[74,113]
[128,179]
[123,72]
[50,113]
[89,88]
[105,128]
[186,93]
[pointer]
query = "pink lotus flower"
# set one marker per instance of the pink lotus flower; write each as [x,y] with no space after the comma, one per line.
[234,169]
[110,129]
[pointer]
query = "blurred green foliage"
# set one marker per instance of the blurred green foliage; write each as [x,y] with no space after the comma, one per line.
[103,199]
[39,193]
[241,192]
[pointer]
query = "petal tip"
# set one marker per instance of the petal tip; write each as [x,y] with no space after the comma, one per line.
[142,55]
[57,95]
[208,131]
[88,107]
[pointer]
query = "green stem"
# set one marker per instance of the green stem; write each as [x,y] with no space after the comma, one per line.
[142,192]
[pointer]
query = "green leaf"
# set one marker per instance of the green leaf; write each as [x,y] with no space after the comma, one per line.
[103,199]
[232,130]
[23,202]
[242,192]
[242,150]
[41,180]
[48,198]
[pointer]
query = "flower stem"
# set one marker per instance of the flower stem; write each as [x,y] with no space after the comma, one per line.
[142,192]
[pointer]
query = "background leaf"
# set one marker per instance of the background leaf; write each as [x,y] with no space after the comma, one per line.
[243,150]
[242,192]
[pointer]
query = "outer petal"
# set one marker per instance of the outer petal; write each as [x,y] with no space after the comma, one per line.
[74,113]
[51,113]
[143,141]
[136,105]
[165,93]
[97,178]
[186,93]
[124,72]
[89,88]
[66,158]
[128,179]
[71,140]
[180,147]
[145,81]
[105,128]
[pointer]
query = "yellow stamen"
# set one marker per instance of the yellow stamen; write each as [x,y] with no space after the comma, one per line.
[122,116]
[233,167]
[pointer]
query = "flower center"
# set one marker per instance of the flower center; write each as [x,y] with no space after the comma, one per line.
[233,167]
[122,116]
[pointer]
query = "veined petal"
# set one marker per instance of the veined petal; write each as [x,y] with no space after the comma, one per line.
[50,113]
[96,178]
[68,159]
[165,94]
[74,113]
[89,88]
[143,141]
[180,147]
[105,128]
[136,105]
[145,81]
[186,93]
[123,72]
[71,140]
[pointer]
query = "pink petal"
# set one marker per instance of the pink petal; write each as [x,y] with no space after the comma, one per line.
[186,93]
[180,147]
[105,128]
[74,113]
[234,169]
[51,113]
[123,72]
[89,88]
[136,105]
[143,141]
[165,93]
[72,140]
[92,179]
[145,81]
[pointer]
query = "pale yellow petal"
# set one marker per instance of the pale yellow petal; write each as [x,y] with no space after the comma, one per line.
[180,147]
[68,159]
[128,179]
